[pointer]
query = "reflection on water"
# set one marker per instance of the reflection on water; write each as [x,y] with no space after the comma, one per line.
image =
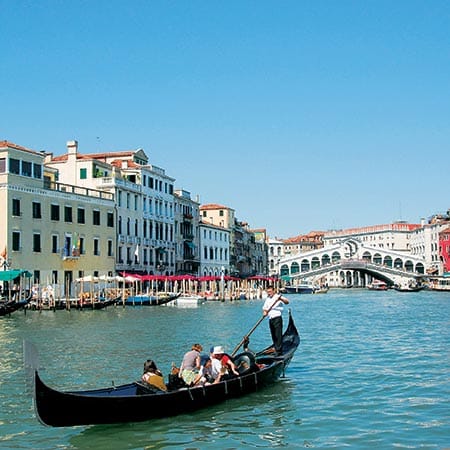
[371,372]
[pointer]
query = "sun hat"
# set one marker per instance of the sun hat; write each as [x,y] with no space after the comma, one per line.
[218,350]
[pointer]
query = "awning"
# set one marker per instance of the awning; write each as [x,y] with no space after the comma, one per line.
[9,275]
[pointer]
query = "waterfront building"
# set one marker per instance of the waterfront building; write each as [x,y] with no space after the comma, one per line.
[145,239]
[260,265]
[57,231]
[444,249]
[244,250]
[214,250]
[187,235]
[426,242]
[275,253]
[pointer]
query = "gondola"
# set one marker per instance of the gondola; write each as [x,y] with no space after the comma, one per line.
[134,402]
[9,307]
[101,303]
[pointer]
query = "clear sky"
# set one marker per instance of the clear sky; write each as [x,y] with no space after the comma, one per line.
[300,115]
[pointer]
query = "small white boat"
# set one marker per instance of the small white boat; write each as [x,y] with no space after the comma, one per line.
[186,300]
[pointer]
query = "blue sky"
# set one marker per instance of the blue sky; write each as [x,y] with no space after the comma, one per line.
[300,115]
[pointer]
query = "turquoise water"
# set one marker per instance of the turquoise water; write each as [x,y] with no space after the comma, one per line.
[372,371]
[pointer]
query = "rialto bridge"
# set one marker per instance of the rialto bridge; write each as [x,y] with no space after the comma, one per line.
[352,263]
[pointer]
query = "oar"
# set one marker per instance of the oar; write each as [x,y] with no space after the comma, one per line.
[254,327]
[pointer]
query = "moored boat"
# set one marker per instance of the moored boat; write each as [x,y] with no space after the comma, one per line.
[150,300]
[377,285]
[8,307]
[408,288]
[304,288]
[187,300]
[134,402]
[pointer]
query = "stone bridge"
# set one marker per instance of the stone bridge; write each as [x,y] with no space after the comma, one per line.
[352,264]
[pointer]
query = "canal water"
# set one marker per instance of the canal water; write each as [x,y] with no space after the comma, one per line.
[372,371]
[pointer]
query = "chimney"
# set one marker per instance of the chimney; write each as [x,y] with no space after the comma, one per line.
[72,147]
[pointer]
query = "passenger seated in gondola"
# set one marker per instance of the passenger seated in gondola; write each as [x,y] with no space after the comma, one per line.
[204,376]
[222,365]
[191,364]
[153,376]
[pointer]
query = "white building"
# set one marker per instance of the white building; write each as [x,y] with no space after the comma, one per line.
[214,249]
[144,203]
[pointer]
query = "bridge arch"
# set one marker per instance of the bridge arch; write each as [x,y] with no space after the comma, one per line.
[295,268]
[377,258]
[326,259]
[335,257]
[367,256]
[305,266]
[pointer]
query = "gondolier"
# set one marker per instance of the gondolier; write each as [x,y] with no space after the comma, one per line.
[273,308]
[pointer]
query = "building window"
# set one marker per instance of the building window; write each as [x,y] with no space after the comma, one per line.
[54,243]
[14,166]
[54,212]
[96,247]
[36,210]
[110,219]
[16,241]
[16,207]
[81,215]
[37,171]
[68,214]
[26,168]
[83,174]
[55,276]
[36,276]
[81,245]
[96,217]
[110,247]
[2,165]
[36,242]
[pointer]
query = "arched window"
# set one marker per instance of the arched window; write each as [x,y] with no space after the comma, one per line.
[377,259]
[295,268]
[325,260]
[335,257]
[284,270]
[305,265]
[367,257]
[388,261]
[420,268]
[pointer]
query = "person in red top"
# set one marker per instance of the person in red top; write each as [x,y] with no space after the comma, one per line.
[222,364]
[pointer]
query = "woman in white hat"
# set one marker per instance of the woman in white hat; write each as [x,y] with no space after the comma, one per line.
[222,364]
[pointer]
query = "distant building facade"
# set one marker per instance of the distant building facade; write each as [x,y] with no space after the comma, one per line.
[187,235]
[245,251]
[215,250]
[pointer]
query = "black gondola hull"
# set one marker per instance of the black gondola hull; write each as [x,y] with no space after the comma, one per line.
[132,403]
